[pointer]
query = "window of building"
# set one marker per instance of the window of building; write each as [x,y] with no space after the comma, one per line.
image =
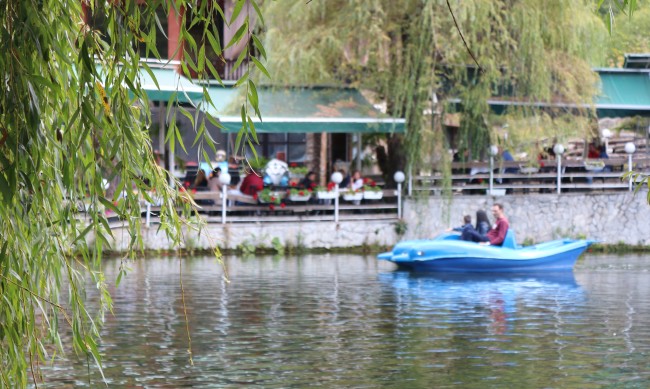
[292,147]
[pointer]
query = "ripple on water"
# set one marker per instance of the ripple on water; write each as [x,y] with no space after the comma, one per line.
[343,321]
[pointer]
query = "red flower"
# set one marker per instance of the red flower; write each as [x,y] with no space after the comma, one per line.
[293,164]
[330,186]
[301,193]
[255,196]
[193,191]
[373,184]
[293,183]
[310,189]
[186,184]
[282,205]
[272,198]
[182,189]
[272,207]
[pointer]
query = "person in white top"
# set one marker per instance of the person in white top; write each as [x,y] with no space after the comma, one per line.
[356,182]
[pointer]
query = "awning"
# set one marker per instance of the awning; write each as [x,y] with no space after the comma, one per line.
[299,110]
[624,93]
[169,82]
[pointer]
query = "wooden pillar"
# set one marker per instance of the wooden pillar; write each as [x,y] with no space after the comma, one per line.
[322,168]
[84,12]
[174,44]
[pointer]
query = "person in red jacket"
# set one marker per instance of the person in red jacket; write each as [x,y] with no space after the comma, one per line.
[498,233]
[251,184]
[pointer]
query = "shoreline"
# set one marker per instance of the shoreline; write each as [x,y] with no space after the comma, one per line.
[367,250]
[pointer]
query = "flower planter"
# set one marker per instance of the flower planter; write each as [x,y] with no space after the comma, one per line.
[278,196]
[326,195]
[373,195]
[528,169]
[353,196]
[299,197]
[496,192]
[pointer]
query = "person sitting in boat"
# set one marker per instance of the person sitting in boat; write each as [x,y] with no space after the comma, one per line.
[467,230]
[471,233]
[497,234]
[482,227]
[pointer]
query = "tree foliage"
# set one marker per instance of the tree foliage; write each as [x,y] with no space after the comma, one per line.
[73,115]
[526,50]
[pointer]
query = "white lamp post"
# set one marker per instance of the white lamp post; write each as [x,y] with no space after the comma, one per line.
[336,178]
[493,151]
[558,149]
[399,178]
[630,148]
[224,180]
[606,135]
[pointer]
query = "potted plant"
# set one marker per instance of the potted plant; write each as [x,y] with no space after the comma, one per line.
[297,172]
[326,192]
[267,196]
[372,191]
[353,195]
[296,194]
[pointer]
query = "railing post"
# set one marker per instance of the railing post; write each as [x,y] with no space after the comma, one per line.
[399,178]
[399,200]
[336,203]
[559,174]
[491,173]
[224,180]
[558,150]
[629,169]
[148,217]
[224,202]
[410,184]
[493,151]
[630,148]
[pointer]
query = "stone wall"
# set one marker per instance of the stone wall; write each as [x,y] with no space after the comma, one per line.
[313,235]
[609,218]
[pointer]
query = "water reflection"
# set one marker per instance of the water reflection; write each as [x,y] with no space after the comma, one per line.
[350,321]
[497,296]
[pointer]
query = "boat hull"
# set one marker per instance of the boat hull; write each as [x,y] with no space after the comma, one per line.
[448,254]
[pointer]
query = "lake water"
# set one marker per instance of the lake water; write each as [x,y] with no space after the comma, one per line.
[351,321]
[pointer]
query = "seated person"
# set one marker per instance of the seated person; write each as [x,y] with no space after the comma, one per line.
[251,184]
[479,234]
[507,157]
[356,182]
[233,170]
[466,230]
[213,181]
[201,181]
[497,234]
[346,179]
[592,151]
[309,181]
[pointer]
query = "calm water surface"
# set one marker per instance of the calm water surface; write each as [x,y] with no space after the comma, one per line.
[351,321]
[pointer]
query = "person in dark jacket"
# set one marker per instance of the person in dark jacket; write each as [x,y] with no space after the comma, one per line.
[467,230]
[482,227]
[308,182]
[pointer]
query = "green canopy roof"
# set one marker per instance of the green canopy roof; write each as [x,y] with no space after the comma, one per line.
[169,81]
[316,109]
[624,93]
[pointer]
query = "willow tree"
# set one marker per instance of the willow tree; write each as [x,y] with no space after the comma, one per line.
[67,127]
[407,51]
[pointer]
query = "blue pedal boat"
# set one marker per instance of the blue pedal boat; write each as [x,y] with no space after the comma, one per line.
[447,253]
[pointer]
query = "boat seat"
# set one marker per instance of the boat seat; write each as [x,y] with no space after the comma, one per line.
[509,241]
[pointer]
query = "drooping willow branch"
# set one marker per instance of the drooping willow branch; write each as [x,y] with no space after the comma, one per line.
[480,68]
